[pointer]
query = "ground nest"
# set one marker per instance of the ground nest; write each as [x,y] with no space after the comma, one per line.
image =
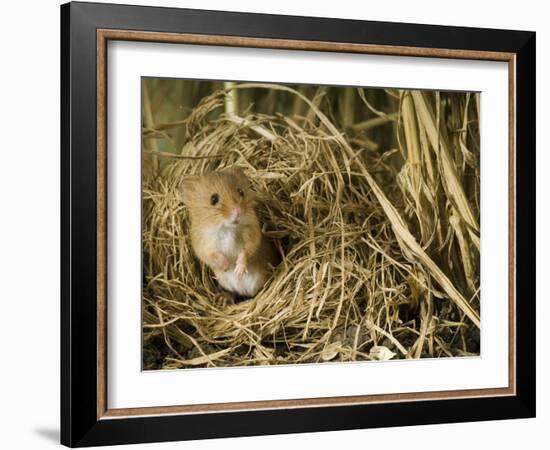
[379,261]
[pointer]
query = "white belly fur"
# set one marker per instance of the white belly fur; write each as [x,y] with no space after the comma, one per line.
[248,285]
[227,242]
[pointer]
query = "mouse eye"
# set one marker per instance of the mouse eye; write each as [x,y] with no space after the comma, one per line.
[241,192]
[214,199]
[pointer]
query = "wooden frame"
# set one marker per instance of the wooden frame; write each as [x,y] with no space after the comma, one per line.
[86,418]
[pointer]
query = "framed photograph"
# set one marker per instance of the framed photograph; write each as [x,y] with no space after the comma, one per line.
[276,224]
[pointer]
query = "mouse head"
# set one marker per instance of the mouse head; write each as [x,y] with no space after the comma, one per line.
[219,199]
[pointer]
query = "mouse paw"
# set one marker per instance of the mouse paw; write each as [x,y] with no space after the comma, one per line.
[240,269]
[224,298]
[220,262]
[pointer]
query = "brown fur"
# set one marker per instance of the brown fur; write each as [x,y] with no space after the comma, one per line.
[250,251]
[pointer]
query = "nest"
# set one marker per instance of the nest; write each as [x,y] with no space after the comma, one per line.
[370,268]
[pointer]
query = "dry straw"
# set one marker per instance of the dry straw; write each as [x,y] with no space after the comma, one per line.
[381,250]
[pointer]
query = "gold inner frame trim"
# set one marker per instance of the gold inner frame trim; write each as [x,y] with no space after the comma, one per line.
[103,36]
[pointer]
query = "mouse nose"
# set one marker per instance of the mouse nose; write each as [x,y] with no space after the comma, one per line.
[236,213]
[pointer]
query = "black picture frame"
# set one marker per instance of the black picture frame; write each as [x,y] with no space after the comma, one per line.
[80,425]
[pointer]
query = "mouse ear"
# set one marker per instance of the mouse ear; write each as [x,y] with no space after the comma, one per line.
[188,189]
[238,173]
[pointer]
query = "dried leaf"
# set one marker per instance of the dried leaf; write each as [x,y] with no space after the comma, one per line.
[381,353]
[331,351]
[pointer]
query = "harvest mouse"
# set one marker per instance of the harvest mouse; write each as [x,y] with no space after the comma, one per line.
[225,231]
